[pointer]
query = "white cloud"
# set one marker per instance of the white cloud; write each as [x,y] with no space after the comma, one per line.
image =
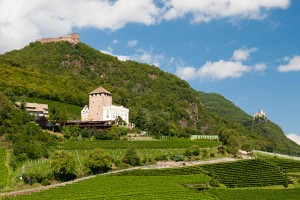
[293,65]
[140,55]
[186,73]
[294,137]
[243,54]
[115,41]
[207,10]
[260,67]
[132,43]
[222,69]
[219,70]
[24,21]
[214,71]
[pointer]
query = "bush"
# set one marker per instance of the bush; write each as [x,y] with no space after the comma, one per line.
[177,158]
[98,161]
[132,158]
[286,181]
[63,165]
[161,157]
[214,182]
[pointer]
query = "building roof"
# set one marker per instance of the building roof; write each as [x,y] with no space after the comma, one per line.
[100,90]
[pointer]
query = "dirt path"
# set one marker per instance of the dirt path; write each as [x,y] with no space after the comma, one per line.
[158,165]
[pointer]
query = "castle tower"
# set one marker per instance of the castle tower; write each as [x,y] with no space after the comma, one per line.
[98,98]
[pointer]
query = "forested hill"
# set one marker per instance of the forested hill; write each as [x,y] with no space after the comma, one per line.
[159,102]
[272,136]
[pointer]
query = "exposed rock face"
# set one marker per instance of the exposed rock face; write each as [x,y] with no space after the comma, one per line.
[73,39]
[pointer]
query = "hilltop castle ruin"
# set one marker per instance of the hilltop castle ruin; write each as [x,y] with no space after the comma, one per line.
[73,39]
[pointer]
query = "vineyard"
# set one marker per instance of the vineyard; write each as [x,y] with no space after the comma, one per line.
[127,187]
[256,194]
[286,165]
[246,173]
[119,144]
[164,172]
[3,169]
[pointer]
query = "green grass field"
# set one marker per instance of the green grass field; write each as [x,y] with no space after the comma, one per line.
[127,187]
[3,169]
[119,144]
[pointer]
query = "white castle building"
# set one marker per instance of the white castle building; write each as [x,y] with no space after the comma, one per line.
[260,114]
[100,107]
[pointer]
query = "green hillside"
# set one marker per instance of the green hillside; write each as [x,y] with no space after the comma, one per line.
[220,106]
[159,102]
[272,136]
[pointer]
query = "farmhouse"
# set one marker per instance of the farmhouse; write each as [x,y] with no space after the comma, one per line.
[100,107]
[38,110]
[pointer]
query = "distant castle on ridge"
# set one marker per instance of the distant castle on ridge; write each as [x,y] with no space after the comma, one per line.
[73,39]
[260,115]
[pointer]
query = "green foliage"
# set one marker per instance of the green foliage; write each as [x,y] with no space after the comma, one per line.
[3,168]
[98,161]
[63,164]
[160,103]
[286,181]
[126,187]
[246,173]
[214,182]
[115,132]
[131,157]
[119,144]
[194,150]
[256,194]
[70,131]
[38,171]
[286,165]
[19,128]
[245,133]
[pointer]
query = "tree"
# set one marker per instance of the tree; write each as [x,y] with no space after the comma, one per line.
[98,161]
[131,157]
[63,165]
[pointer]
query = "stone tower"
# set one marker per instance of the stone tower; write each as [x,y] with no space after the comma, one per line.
[98,98]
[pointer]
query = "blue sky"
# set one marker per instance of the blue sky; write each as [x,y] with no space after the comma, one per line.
[247,51]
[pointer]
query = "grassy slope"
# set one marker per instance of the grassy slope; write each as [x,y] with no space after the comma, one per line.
[126,187]
[3,169]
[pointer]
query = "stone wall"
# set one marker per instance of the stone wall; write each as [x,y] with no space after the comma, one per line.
[73,39]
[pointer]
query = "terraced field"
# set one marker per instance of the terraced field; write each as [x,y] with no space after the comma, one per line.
[246,173]
[257,194]
[119,144]
[127,187]
[3,169]
[287,165]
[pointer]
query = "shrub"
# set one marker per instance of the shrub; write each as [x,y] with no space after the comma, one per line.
[63,165]
[161,157]
[98,161]
[177,158]
[286,181]
[131,157]
[214,182]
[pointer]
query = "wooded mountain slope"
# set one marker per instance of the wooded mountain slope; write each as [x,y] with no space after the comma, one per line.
[159,102]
